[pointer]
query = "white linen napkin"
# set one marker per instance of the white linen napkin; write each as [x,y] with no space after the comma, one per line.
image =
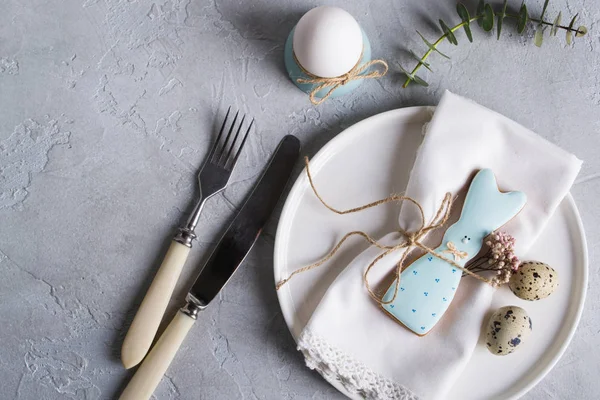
[351,340]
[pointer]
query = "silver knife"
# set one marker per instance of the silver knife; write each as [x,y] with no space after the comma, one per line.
[224,261]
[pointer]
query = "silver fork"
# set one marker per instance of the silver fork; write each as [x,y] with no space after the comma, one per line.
[214,175]
[212,179]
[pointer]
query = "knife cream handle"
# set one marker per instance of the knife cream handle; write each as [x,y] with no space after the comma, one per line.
[145,323]
[148,376]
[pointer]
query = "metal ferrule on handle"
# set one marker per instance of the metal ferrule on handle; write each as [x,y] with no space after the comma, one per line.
[193,307]
[186,234]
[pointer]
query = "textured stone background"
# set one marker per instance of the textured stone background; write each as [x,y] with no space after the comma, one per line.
[107,108]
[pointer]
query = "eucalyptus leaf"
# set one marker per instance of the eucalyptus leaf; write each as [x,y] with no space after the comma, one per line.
[409,75]
[449,34]
[572,23]
[581,31]
[420,60]
[480,10]
[523,18]
[504,6]
[555,25]
[544,9]
[538,39]
[501,17]
[499,27]
[431,46]
[463,13]
[488,18]
[569,34]
[420,81]
[412,77]
[468,33]
[466,19]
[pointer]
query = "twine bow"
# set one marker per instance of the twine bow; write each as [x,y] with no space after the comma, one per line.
[337,81]
[412,240]
[458,255]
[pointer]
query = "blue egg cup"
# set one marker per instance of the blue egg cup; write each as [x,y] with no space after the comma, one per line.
[295,72]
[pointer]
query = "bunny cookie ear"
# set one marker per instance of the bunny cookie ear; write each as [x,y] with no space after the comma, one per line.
[486,206]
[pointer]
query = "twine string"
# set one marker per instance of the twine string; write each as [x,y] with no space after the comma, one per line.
[341,80]
[411,240]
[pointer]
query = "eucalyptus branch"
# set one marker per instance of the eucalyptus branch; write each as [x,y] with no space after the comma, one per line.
[485,17]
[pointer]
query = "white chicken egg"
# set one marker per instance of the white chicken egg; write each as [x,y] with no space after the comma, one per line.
[328,41]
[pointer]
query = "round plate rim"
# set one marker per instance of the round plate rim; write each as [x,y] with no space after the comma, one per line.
[321,158]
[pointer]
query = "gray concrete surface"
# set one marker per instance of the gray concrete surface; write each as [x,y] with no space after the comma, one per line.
[107,108]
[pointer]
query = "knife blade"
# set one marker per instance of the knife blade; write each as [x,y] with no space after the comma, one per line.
[247,225]
[229,254]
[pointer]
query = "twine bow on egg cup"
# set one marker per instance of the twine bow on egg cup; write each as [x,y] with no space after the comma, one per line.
[321,88]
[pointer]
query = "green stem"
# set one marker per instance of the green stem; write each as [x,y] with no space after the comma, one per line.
[576,30]
[436,44]
[475,18]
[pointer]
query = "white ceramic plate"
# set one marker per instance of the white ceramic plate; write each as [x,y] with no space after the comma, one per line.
[372,159]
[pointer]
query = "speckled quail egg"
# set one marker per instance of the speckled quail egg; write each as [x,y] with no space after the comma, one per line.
[533,280]
[507,329]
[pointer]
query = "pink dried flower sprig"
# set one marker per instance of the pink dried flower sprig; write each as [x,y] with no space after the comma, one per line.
[499,258]
[502,246]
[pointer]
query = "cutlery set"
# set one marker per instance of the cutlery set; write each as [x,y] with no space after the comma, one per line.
[228,255]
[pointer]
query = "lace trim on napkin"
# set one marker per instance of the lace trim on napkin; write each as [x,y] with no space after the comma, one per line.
[354,376]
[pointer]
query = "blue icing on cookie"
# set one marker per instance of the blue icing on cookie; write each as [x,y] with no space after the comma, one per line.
[485,209]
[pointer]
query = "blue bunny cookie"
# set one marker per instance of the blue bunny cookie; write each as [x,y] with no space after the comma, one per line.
[428,285]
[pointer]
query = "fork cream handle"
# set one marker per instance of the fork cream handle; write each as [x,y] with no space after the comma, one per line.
[146,321]
[148,376]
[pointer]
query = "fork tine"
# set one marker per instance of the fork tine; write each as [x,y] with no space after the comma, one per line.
[214,148]
[233,143]
[237,155]
[220,156]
